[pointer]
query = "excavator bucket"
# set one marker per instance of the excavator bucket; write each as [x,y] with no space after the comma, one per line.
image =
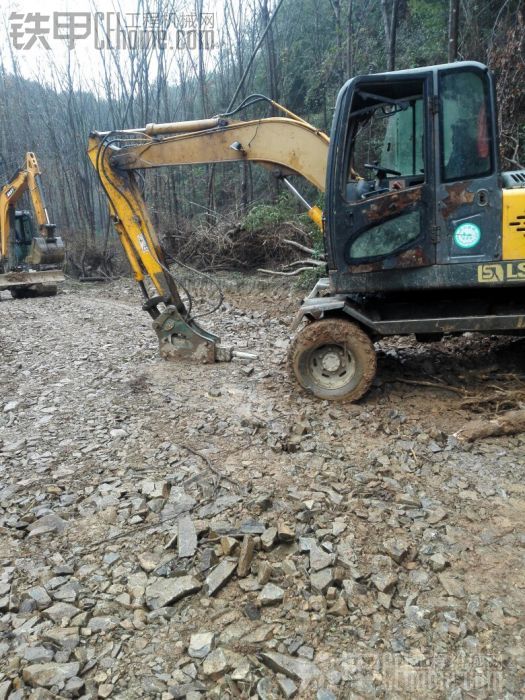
[46,251]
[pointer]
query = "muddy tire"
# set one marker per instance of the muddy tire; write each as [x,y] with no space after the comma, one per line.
[19,292]
[35,290]
[46,290]
[333,359]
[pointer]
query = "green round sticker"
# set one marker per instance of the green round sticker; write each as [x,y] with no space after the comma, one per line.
[467,235]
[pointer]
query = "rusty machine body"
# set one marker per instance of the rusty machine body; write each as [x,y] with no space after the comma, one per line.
[31,258]
[431,242]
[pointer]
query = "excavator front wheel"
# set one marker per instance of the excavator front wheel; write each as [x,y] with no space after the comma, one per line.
[333,359]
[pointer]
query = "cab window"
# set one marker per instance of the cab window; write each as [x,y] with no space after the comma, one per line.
[387,139]
[23,229]
[466,138]
[386,238]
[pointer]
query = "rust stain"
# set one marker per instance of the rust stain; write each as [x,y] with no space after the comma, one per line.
[415,257]
[393,204]
[458,194]
[369,267]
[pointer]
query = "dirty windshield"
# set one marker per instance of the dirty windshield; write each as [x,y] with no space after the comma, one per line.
[388,133]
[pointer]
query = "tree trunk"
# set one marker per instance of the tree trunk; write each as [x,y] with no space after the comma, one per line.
[349,41]
[390,25]
[272,75]
[453,28]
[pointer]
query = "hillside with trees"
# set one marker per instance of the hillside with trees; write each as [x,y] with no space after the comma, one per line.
[297,52]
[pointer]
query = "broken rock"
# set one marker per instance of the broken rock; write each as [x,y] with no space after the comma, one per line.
[245,556]
[61,612]
[105,690]
[319,559]
[37,655]
[46,524]
[65,637]
[297,669]
[396,548]
[149,561]
[228,544]
[285,533]
[155,489]
[271,595]
[384,581]
[268,538]
[216,664]
[201,645]
[220,575]
[47,675]
[287,687]
[165,591]
[325,694]
[40,596]
[321,580]
[264,572]
[452,586]
[186,536]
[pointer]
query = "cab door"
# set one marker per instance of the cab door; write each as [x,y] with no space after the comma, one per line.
[381,213]
[468,196]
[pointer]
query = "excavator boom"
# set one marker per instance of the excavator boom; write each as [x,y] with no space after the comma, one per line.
[293,146]
[284,145]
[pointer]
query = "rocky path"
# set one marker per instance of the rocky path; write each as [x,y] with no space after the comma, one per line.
[182,531]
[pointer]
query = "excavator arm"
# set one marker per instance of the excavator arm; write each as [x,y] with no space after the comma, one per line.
[36,194]
[284,145]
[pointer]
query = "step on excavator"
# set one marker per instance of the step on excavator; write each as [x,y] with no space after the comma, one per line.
[423,233]
[31,258]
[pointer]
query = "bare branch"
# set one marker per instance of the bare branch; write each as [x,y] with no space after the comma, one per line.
[299,246]
[285,274]
[307,261]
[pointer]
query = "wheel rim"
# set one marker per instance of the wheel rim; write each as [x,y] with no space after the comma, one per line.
[330,366]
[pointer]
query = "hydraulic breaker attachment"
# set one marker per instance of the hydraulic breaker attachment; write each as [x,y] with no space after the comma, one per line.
[180,340]
[184,340]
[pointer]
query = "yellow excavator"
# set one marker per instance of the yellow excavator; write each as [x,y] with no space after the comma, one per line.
[423,233]
[30,260]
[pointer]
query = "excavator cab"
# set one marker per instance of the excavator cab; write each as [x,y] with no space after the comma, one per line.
[24,231]
[414,192]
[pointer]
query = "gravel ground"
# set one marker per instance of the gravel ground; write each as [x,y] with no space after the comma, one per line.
[184,531]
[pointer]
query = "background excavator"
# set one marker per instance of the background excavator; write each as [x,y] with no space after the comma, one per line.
[31,258]
[432,242]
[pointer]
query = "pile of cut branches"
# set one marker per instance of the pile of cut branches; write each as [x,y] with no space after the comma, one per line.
[228,246]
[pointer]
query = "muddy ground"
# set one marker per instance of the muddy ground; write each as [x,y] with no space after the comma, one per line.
[176,530]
